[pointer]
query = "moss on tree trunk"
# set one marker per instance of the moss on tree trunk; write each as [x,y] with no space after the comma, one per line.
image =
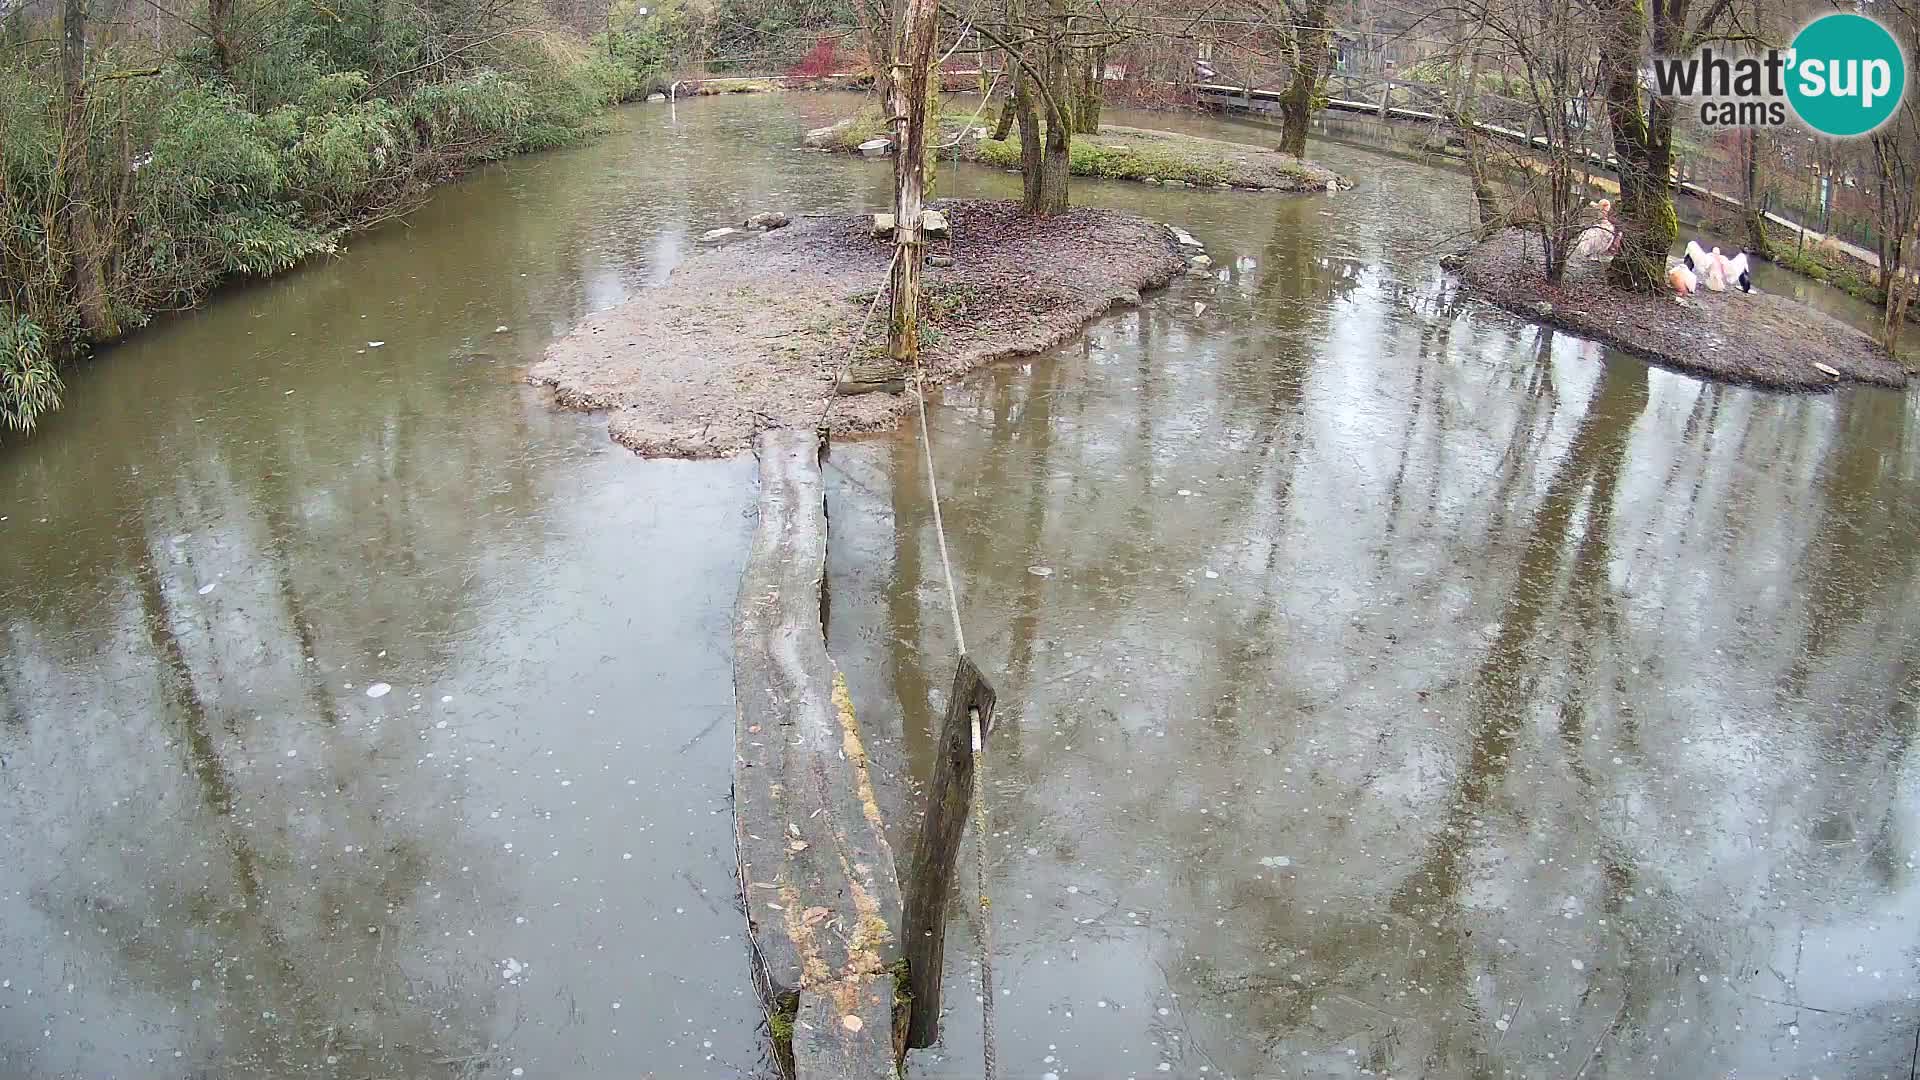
[1643,146]
[1309,52]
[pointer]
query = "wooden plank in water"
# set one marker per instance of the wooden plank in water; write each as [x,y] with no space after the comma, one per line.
[949,801]
[817,875]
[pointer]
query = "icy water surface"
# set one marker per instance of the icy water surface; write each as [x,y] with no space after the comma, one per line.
[1387,688]
[1392,689]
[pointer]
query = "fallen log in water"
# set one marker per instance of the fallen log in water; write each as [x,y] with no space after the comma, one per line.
[816,872]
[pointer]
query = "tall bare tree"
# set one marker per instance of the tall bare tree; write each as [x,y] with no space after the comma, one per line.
[1642,122]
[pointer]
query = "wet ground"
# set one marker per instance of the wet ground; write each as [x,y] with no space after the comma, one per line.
[1387,687]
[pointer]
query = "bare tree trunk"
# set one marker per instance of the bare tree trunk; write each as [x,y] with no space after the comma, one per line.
[1056,158]
[219,21]
[1900,285]
[1643,145]
[1309,53]
[1031,150]
[87,259]
[910,78]
[1004,126]
[1754,208]
[1090,73]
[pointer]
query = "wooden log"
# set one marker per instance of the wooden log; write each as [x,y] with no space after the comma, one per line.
[949,800]
[816,873]
[837,1032]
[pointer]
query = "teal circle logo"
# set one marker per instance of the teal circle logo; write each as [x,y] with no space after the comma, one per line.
[1847,75]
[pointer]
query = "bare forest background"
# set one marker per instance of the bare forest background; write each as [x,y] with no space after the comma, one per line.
[150,149]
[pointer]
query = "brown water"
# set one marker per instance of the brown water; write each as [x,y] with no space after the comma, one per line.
[1391,658]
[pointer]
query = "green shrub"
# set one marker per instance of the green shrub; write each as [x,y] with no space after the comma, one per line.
[199,176]
[29,385]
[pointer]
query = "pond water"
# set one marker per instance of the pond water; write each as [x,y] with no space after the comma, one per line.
[1387,687]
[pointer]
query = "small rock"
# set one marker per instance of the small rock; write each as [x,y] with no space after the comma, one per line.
[882,226]
[500,329]
[1150,180]
[1542,308]
[934,225]
[714,235]
[772,219]
[1223,187]
[1453,260]
[1199,308]
[656,98]
[1184,237]
[1199,263]
[1825,370]
[818,138]
[1333,185]
[876,148]
[941,261]
[1174,183]
[981,133]
[375,344]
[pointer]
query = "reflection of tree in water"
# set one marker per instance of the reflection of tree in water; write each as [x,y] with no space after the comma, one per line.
[1330,963]
[300,953]
[1866,541]
[312,905]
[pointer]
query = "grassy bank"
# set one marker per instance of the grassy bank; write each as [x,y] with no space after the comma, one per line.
[188,169]
[1830,271]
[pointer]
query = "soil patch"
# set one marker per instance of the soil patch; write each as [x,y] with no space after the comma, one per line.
[1116,153]
[1756,338]
[752,335]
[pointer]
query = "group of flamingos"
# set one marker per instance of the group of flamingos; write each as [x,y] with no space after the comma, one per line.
[1697,268]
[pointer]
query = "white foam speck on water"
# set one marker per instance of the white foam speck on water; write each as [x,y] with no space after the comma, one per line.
[441,724]
[379,690]
[1275,862]
[616,1004]
[446,699]
[1165,1066]
[1050,1076]
[626,855]
[1183,491]
[292,753]
[1213,573]
[1040,571]
[518,1071]
[208,587]
[1578,966]
[1502,1023]
[375,345]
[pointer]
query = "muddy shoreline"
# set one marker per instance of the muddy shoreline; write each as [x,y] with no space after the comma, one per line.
[752,334]
[1756,338]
